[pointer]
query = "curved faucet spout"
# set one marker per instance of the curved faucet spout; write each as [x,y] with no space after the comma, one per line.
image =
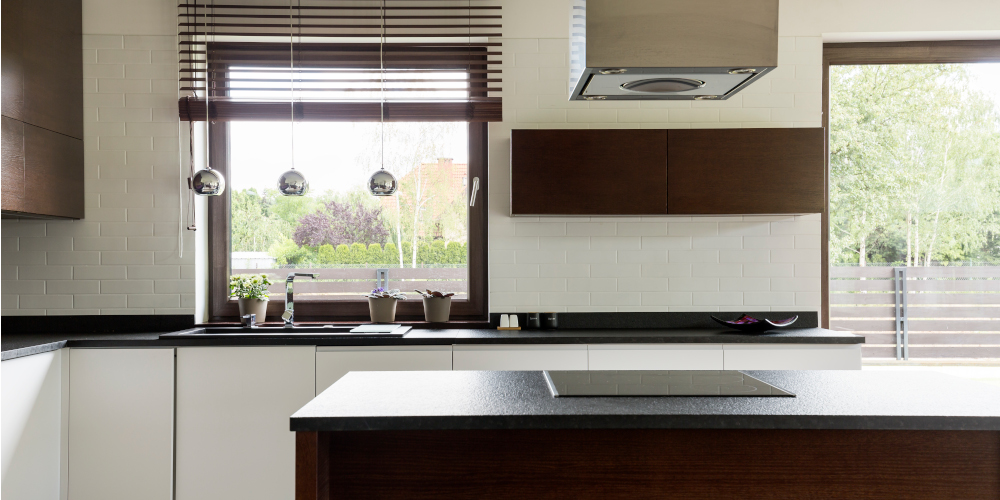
[289,315]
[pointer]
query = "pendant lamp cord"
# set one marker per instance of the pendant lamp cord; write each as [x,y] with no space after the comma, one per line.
[381,65]
[208,95]
[291,70]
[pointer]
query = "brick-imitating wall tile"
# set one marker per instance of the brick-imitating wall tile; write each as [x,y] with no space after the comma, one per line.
[107,263]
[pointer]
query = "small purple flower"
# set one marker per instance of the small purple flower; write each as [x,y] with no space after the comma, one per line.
[378,290]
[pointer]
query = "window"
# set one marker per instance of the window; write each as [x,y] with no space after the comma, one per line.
[914,197]
[336,69]
[426,236]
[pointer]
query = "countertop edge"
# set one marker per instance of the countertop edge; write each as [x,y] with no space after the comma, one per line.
[580,422]
[21,352]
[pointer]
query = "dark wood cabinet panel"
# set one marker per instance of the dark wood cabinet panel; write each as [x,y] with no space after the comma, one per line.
[42,86]
[53,65]
[746,171]
[12,137]
[53,174]
[12,60]
[588,172]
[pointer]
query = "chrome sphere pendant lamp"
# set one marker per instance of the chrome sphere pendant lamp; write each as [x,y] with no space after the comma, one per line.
[207,182]
[382,183]
[292,182]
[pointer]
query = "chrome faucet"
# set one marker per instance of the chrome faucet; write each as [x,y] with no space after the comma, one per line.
[289,314]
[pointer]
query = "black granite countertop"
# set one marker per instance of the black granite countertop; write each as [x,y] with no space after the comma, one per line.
[15,345]
[521,400]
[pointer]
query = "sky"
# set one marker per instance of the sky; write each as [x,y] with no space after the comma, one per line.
[326,153]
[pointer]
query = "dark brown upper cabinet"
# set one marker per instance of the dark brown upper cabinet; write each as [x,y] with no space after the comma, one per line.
[667,172]
[746,171]
[588,172]
[42,108]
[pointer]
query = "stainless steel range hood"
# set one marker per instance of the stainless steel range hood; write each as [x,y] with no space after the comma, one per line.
[670,49]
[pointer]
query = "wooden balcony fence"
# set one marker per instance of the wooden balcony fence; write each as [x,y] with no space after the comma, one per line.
[953,311]
[351,283]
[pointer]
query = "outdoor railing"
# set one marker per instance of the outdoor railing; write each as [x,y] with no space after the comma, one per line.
[950,311]
[350,283]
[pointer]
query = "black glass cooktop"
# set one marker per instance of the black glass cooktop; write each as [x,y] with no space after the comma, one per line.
[659,383]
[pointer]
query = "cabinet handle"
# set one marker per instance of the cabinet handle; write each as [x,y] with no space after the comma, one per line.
[475,189]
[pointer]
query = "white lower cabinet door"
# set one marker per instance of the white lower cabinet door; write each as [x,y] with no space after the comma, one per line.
[655,356]
[233,409]
[32,426]
[520,357]
[121,424]
[792,357]
[333,362]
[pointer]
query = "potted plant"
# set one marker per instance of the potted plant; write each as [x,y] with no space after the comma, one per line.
[437,305]
[250,291]
[382,304]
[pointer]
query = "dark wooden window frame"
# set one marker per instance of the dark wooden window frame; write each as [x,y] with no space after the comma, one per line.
[930,52]
[222,309]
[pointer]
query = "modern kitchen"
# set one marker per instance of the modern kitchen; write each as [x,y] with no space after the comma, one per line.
[331,249]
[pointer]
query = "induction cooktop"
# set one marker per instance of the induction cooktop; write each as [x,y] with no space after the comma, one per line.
[659,383]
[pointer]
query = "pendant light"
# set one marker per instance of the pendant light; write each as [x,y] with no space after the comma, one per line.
[207,181]
[382,183]
[292,182]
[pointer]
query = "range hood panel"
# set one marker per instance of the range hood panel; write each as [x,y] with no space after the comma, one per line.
[700,39]
[611,85]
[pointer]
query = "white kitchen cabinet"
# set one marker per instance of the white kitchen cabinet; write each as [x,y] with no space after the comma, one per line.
[333,362]
[121,424]
[520,357]
[233,409]
[32,427]
[792,356]
[655,356]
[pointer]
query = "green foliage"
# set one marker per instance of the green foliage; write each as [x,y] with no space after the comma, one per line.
[249,286]
[375,254]
[285,251]
[914,166]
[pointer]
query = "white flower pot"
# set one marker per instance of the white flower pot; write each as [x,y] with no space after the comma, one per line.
[253,306]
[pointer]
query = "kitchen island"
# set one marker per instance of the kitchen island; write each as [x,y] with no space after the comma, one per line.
[490,434]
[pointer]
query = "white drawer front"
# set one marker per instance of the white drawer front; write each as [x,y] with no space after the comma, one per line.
[792,357]
[520,357]
[655,356]
[334,362]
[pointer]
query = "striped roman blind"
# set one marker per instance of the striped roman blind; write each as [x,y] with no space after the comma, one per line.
[431,60]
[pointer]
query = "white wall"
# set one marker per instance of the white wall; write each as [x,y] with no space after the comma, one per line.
[124,257]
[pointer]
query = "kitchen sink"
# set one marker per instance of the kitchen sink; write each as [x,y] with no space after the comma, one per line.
[297,331]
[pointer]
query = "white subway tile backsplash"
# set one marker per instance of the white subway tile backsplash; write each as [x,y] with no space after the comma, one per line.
[642,284]
[667,299]
[591,284]
[591,229]
[564,270]
[746,255]
[642,256]
[685,284]
[549,300]
[619,298]
[616,270]
[541,285]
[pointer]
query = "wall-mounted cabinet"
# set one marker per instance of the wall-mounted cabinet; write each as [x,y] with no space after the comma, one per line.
[42,108]
[667,172]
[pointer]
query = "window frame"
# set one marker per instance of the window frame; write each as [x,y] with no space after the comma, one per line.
[865,53]
[222,309]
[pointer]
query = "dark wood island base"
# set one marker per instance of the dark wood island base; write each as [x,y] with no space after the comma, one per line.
[649,463]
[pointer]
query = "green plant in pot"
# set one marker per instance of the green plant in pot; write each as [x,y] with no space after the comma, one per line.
[437,305]
[382,304]
[250,291]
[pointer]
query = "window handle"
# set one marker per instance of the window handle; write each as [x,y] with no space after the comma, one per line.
[475,189]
